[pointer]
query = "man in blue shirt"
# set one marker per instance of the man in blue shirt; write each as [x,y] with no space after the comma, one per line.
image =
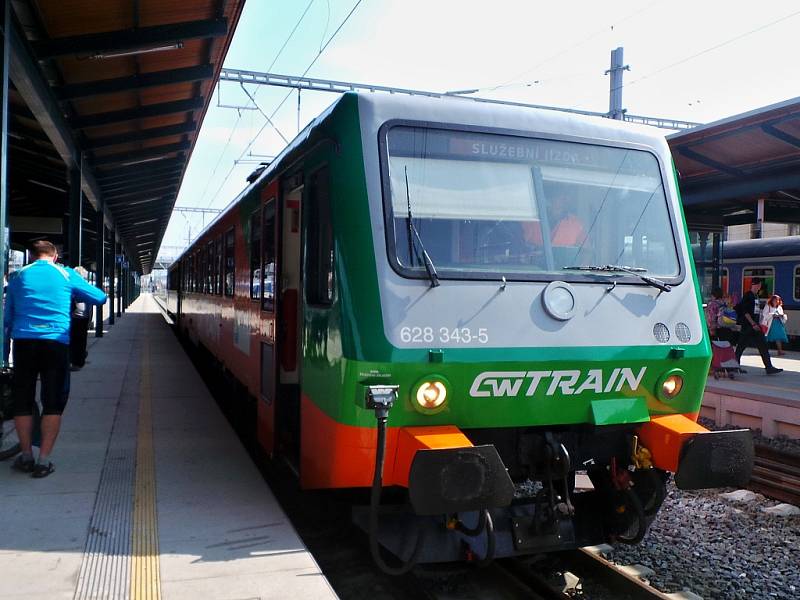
[38,315]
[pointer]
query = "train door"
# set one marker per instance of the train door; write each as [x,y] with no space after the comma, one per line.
[289,318]
[178,287]
[267,293]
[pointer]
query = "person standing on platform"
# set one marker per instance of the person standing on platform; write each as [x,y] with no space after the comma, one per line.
[80,318]
[38,315]
[751,334]
[773,322]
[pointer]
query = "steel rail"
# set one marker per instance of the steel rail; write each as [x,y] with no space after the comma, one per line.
[776,474]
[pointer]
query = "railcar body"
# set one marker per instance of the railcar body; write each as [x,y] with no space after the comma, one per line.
[776,261]
[511,288]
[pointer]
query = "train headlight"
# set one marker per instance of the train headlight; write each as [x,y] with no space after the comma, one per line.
[430,395]
[670,384]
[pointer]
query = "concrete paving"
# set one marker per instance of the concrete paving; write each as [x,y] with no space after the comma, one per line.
[220,532]
[755,383]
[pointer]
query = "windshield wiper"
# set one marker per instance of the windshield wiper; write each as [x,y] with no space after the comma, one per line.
[638,271]
[412,229]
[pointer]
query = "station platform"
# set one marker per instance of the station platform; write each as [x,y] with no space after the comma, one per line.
[769,403]
[153,495]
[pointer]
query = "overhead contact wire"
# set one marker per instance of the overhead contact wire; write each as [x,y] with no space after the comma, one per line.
[239,117]
[282,102]
[715,47]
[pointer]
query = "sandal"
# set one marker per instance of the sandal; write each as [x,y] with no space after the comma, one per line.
[41,470]
[24,466]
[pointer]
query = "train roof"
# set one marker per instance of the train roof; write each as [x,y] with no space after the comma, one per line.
[778,246]
[509,117]
[458,111]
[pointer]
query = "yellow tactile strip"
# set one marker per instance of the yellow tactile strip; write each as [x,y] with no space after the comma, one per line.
[105,568]
[145,578]
[121,558]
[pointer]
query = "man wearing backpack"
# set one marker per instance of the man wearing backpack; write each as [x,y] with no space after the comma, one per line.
[751,334]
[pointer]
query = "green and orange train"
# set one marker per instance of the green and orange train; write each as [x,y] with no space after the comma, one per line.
[470,304]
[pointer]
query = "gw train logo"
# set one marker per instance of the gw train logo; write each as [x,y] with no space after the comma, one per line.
[569,382]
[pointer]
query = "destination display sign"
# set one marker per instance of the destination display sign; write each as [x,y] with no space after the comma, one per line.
[437,143]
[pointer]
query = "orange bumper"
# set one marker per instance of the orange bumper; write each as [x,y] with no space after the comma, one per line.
[665,436]
[699,458]
[411,439]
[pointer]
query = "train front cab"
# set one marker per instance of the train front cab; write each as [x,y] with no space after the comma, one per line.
[490,361]
[416,328]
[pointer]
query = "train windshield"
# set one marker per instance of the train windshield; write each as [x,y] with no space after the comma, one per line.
[493,205]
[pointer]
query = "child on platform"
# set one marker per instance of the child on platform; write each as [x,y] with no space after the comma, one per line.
[773,321]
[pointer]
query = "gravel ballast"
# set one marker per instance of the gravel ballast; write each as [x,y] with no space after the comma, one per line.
[782,443]
[719,549]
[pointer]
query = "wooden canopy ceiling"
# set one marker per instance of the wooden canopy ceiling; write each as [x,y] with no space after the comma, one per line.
[725,167]
[131,81]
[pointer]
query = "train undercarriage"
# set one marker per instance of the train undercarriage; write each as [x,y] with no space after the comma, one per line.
[514,491]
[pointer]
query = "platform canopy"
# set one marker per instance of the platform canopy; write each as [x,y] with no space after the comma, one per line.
[116,91]
[725,167]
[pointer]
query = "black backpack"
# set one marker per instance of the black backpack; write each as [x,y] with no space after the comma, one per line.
[6,402]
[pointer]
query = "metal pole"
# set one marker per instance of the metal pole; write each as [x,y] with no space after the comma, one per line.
[122,287]
[4,58]
[111,274]
[100,270]
[759,232]
[716,258]
[615,110]
[75,224]
[125,283]
[118,272]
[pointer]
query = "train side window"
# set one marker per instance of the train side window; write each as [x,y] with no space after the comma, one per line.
[767,275]
[218,285]
[210,268]
[320,248]
[198,267]
[203,264]
[197,273]
[230,262]
[255,255]
[268,256]
[191,274]
[797,282]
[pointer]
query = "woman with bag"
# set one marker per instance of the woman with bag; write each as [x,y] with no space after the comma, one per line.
[773,321]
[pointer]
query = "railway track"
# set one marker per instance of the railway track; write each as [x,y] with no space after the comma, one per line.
[595,576]
[776,474]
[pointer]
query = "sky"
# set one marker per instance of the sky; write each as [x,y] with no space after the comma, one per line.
[699,60]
